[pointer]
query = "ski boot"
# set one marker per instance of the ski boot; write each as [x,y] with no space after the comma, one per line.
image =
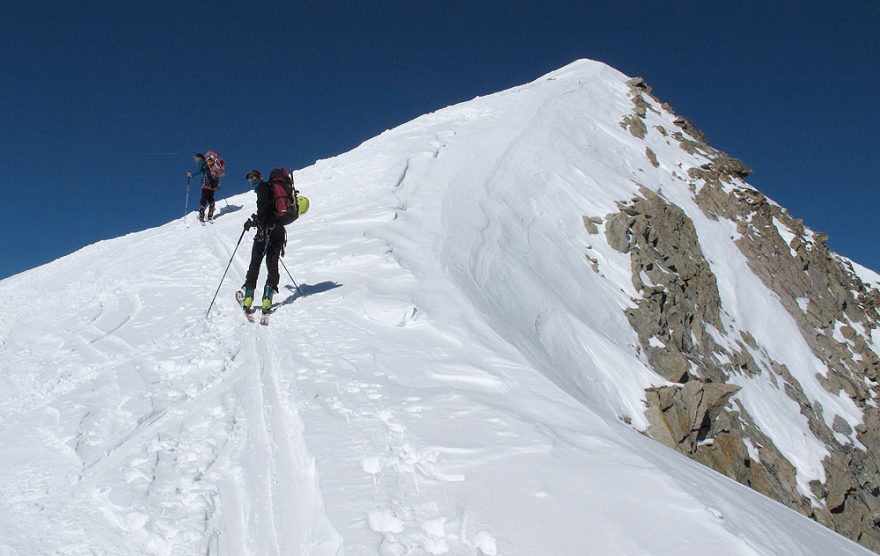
[202,214]
[248,300]
[268,292]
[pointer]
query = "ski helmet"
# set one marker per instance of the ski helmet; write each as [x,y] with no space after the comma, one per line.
[302,202]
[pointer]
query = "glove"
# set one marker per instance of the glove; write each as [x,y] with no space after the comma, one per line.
[189,173]
[251,222]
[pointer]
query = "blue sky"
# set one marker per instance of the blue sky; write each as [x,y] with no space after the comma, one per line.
[103,103]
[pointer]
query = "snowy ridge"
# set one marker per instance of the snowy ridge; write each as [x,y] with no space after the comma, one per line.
[452,381]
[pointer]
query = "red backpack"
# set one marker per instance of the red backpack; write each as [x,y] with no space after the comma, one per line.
[218,169]
[284,202]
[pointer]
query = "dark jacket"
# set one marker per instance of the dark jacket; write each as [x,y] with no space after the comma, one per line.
[265,206]
[208,181]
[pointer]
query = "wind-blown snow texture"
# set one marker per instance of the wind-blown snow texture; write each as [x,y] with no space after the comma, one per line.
[452,381]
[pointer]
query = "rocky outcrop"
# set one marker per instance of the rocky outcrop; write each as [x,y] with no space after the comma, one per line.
[680,296]
[683,416]
[678,320]
[835,313]
[652,157]
[634,122]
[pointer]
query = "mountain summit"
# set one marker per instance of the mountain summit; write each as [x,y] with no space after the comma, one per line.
[508,307]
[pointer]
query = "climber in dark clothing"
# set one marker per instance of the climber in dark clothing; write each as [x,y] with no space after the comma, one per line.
[269,243]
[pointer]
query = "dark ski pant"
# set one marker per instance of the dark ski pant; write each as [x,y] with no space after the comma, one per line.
[276,239]
[207,200]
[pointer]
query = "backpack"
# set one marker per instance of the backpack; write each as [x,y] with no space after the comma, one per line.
[284,196]
[216,170]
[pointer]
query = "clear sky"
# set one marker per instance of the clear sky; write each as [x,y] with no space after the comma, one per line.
[102,104]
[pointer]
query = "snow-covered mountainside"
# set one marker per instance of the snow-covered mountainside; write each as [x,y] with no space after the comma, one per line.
[500,302]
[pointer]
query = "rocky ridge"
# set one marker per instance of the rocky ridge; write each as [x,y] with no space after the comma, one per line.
[680,322]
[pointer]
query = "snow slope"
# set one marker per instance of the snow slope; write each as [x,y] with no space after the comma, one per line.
[451,381]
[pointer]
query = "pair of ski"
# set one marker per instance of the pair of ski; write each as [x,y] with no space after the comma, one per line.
[250,311]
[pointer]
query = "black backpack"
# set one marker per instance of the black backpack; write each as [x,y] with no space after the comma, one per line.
[284,204]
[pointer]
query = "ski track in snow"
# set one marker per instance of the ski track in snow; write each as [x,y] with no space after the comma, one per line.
[152,426]
[401,406]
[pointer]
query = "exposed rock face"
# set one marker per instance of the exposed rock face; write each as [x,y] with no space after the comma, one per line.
[678,319]
[680,293]
[685,414]
[822,294]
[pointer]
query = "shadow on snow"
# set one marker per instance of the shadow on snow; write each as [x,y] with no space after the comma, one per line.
[227,209]
[306,290]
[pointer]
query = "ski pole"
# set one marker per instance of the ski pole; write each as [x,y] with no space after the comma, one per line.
[186,202]
[224,272]
[299,291]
